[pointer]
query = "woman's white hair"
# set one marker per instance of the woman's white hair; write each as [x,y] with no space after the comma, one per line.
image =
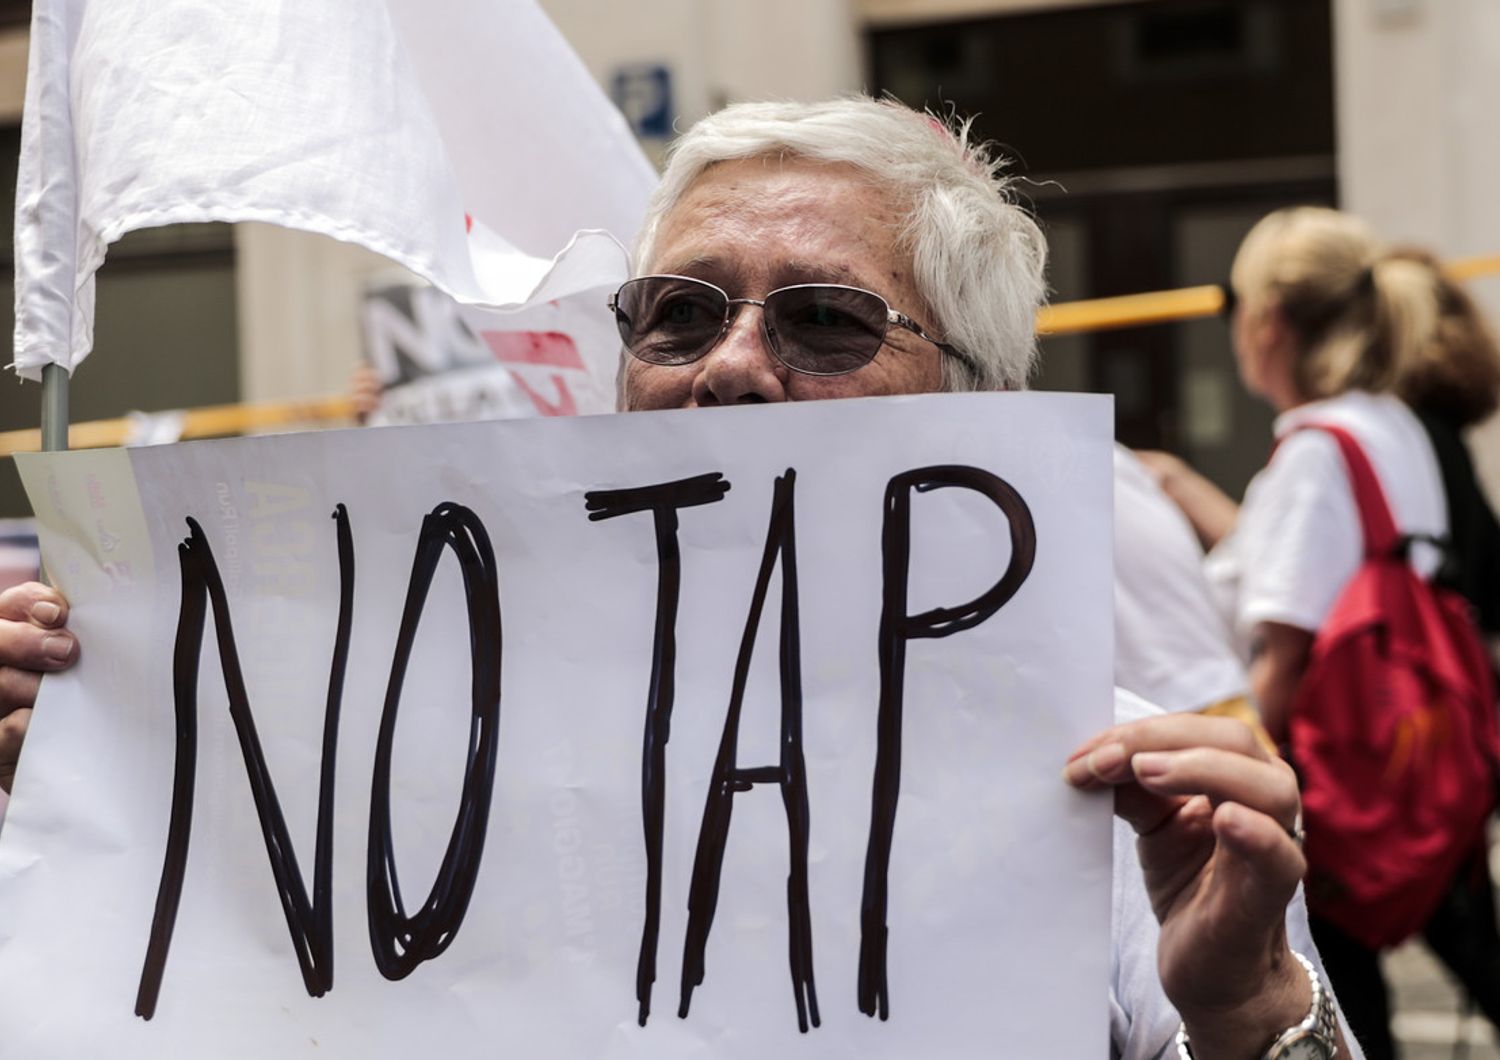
[978,258]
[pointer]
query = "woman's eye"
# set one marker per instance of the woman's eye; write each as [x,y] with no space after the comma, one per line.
[683,311]
[828,318]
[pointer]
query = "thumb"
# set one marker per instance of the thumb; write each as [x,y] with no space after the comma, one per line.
[1259,866]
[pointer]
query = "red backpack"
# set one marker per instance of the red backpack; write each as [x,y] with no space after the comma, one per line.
[1393,732]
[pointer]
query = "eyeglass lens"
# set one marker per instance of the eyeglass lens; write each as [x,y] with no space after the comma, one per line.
[815,328]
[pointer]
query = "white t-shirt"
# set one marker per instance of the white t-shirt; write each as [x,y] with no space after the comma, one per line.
[1142,1022]
[1172,646]
[1298,540]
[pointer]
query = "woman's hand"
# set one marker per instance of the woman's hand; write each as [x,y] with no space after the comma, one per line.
[365,389]
[33,641]
[1215,814]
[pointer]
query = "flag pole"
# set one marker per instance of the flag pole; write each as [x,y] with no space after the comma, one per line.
[54,408]
[54,421]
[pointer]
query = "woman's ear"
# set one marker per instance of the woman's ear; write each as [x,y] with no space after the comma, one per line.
[1273,328]
[1277,336]
[1276,339]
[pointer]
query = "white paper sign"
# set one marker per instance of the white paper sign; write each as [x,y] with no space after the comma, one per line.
[517,855]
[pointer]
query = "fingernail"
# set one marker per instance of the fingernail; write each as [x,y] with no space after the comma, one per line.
[1105,761]
[58,647]
[1151,764]
[45,612]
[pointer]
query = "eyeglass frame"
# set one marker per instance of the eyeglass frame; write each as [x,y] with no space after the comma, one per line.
[892,316]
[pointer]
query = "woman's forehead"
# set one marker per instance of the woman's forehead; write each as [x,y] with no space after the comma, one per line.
[788,219]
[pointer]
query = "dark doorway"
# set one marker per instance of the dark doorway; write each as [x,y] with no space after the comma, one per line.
[1150,137]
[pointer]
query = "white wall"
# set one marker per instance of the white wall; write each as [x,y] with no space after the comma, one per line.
[1418,85]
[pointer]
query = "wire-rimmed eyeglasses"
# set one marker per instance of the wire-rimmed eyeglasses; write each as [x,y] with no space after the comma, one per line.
[813,328]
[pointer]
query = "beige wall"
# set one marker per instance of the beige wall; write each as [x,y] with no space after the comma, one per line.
[754,57]
[720,50]
[13,44]
[299,296]
[1418,88]
[1419,155]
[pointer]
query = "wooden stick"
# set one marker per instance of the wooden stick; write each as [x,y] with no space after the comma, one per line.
[1185,303]
[210,422]
[1130,310]
[1463,269]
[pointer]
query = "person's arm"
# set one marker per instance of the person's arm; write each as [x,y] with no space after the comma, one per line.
[365,388]
[33,641]
[1278,661]
[1214,812]
[1209,509]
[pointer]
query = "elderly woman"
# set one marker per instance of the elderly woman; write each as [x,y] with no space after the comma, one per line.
[857,248]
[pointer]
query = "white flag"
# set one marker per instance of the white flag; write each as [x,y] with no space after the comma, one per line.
[462,139]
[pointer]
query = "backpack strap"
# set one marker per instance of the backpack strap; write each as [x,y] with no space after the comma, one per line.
[1381,536]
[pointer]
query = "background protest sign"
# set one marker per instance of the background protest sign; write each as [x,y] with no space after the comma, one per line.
[880,679]
[439,361]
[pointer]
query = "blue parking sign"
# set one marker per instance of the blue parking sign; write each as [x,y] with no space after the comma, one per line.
[643,92]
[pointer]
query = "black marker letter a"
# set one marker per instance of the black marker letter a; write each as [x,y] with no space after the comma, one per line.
[790,774]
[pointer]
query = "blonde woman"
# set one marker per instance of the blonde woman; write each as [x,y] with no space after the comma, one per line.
[1329,328]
